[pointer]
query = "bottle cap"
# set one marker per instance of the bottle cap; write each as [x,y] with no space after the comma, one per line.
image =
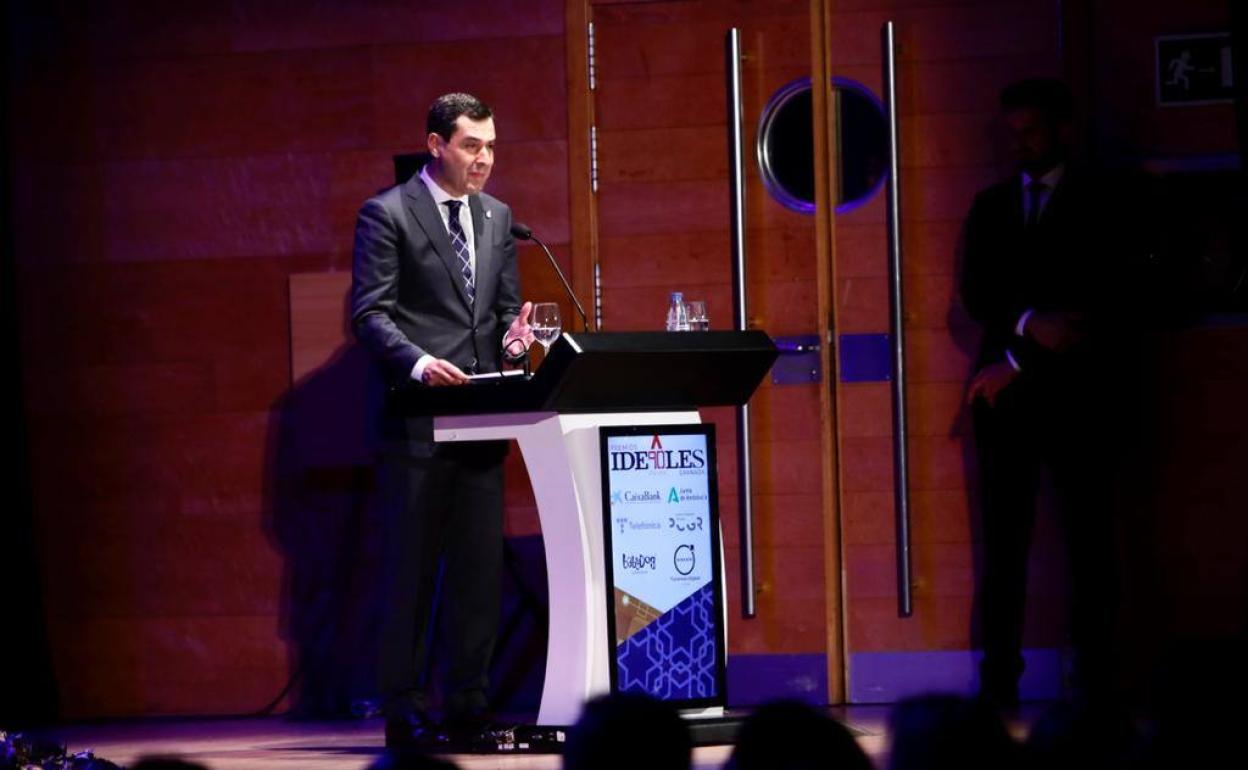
[677,295]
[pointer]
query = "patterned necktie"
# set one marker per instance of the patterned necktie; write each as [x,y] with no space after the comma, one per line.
[460,242]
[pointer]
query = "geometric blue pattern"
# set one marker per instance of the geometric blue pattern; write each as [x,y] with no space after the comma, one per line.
[673,658]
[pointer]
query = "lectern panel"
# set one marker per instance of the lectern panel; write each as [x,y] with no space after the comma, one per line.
[664,583]
[614,372]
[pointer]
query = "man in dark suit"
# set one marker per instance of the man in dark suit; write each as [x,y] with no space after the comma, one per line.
[435,298]
[1040,276]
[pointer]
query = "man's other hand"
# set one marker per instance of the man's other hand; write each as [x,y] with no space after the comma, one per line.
[443,372]
[519,330]
[990,381]
[1053,330]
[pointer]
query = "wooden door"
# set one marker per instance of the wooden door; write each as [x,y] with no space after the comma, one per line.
[953,60]
[662,207]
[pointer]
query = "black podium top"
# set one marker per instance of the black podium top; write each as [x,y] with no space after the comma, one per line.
[614,372]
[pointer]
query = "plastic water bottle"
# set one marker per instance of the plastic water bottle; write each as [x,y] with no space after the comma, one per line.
[677,313]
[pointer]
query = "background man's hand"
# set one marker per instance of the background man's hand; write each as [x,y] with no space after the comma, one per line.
[443,372]
[519,330]
[990,381]
[1053,330]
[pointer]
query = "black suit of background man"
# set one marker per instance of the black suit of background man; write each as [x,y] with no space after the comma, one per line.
[425,315]
[1042,396]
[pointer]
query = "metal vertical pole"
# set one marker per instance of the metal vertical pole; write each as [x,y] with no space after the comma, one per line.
[901,465]
[736,171]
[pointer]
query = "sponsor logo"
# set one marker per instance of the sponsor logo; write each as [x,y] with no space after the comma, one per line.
[685,495]
[623,522]
[658,460]
[646,496]
[685,524]
[638,562]
[683,559]
[626,496]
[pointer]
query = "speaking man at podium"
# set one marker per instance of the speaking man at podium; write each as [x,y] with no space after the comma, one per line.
[435,296]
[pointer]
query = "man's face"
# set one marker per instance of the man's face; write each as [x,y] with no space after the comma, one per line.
[462,164]
[1034,140]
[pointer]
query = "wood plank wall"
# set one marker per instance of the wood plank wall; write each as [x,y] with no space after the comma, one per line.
[954,57]
[172,165]
[663,226]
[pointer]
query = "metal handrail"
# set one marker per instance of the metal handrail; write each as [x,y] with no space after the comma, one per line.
[901,467]
[736,171]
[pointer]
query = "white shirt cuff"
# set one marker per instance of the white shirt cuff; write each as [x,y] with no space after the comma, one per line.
[1013,362]
[1021,326]
[418,371]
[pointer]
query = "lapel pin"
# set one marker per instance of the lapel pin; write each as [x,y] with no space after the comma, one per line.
[489,214]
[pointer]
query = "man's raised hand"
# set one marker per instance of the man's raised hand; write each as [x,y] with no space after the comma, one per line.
[519,330]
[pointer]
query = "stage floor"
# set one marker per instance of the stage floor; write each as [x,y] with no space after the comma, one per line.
[275,742]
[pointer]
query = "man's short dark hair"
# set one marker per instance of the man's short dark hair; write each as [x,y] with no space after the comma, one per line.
[447,108]
[1048,95]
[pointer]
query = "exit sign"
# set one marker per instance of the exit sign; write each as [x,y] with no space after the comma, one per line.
[1194,69]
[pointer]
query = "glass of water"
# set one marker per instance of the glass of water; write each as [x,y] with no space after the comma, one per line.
[545,323]
[699,321]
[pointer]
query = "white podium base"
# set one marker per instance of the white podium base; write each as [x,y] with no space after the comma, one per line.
[562,454]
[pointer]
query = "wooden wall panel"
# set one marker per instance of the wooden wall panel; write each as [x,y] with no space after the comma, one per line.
[1127,121]
[955,57]
[663,214]
[172,167]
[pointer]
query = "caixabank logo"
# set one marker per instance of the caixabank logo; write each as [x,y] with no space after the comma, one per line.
[629,496]
[656,458]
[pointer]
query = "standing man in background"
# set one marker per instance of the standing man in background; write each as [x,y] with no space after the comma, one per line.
[435,298]
[1041,276]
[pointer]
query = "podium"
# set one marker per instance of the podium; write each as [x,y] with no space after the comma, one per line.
[589,385]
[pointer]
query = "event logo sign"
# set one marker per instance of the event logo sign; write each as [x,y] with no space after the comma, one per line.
[659,496]
[666,625]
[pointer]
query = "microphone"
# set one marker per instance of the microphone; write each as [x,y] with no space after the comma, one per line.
[523,232]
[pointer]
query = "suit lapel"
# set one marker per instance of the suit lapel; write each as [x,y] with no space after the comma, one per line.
[485,274]
[422,206]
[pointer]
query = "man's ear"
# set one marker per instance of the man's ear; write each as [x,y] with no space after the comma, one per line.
[434,143]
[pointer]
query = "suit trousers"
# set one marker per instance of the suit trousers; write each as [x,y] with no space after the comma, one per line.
[442,520]
[1039,424]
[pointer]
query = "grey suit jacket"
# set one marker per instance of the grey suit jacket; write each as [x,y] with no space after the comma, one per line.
[408,297]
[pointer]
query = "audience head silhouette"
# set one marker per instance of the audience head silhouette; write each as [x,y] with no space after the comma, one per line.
[787,735]
[1075,736]
[626,730]
[934,732]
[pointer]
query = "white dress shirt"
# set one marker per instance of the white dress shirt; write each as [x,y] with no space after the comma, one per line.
[440,197]
[1049,180]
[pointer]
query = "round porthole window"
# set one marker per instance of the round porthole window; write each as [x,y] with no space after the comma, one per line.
[786,150]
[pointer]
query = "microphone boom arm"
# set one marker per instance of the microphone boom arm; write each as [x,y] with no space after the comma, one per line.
[526,234]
